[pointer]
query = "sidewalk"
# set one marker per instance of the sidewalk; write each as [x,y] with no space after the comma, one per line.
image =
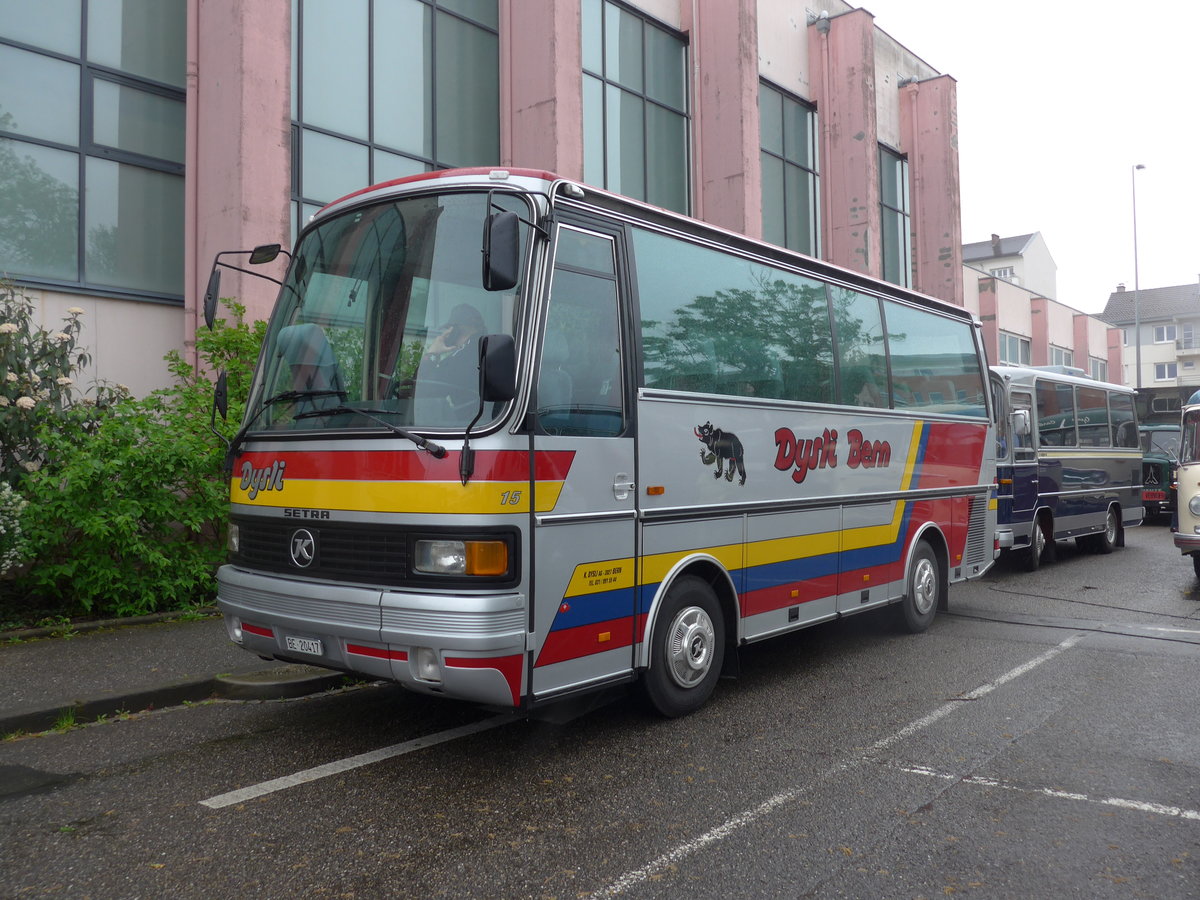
[135,667]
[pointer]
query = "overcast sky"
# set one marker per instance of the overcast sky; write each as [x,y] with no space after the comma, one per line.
[1057,101]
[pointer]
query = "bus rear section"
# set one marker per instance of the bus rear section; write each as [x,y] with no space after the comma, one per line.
[1187,509]
[1069,462]
[699,441]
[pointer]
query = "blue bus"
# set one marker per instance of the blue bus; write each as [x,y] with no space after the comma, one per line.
[1068,462]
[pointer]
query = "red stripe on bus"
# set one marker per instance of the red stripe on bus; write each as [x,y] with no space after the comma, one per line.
[510,667]
[953,455]
[258,629]
[390,465]
[377,652]
[772,598]
[585,640]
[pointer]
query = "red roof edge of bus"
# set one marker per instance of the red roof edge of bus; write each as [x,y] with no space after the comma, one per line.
[448,173]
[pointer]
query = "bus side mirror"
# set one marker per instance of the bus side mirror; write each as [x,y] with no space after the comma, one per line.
[264,253]
[501,251]
[497,368]
[221,396]
[210,296]
[1020,420]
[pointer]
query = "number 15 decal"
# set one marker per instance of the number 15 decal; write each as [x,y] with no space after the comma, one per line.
[510,498]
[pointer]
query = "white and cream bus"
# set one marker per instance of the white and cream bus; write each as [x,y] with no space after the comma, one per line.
[512,438]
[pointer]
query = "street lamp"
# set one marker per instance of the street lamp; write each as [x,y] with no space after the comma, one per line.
[1137,305]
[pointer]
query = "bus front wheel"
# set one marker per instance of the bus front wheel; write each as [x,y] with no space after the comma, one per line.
[1196,564]
[688,649]
[925,585]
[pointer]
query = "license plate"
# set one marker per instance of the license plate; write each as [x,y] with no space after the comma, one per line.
[304,645]
[1154,495]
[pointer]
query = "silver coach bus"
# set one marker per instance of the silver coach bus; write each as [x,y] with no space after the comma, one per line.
[512,438]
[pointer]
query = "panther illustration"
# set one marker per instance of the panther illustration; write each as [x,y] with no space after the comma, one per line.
[721,446]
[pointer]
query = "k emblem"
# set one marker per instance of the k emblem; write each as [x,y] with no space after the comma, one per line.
[303,548]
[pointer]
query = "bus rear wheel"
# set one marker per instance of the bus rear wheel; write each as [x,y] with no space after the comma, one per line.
[925,585]
[1196,564]
[687,650]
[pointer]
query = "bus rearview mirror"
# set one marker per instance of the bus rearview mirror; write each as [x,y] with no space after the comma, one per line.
[1021,422]
[210,297]
[501,251]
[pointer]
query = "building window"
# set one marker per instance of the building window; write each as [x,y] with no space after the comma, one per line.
[1164,334]
[92,145]
[1099,368]
[1060,356]
[1165,371]
[790,203]
[1006,273]
[635,108]
[1187,337]
[1014,349]
[894,218]
[382,89]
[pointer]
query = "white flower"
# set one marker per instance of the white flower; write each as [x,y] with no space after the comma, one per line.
[8,327]
[75,310]
[31,466]
[3,400]
[62,337]
[11,377]
[63,381]
[124,389]
[26,402]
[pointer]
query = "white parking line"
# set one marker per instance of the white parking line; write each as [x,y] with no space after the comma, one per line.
[1139,805]
[352,762]
[748,817]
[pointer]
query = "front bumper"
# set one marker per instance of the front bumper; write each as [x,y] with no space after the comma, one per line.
[469,647]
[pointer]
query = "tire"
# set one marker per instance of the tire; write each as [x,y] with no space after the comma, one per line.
[1037,547]
[687,650]
[926,581]
[1196,564]
[1105,541]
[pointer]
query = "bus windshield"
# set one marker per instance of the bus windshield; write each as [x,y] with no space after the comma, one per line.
[380,318]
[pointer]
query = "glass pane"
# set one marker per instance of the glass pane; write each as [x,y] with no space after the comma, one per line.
[593,38]
[391,165]
[403,83]
[334,77]
[774,229]
[484,12]
[770,119]
[1093,424]
[147,38]
[797,134]
[623,47]
[666,69]
[666,159]
[593,131]
[862,366]
[894,240]
[579,378]
[134,222]
[137,121]
[53,24]
[625,143]
[39,96]
[467,119]
[1125,433]
[39,211]
[332,167]
[933,361]
[1056,414]
[776,345]
[801,207]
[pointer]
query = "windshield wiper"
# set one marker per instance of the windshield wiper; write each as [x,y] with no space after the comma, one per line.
[281,397]
[437,451]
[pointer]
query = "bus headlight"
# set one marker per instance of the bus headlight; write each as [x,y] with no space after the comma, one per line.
[1194,505]
[442,556]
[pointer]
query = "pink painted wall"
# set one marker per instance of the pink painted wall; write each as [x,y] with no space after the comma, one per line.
[929,130]
[238,153]
[541,88]
[989,316]
[843,79]
[727,176]
[1039,350]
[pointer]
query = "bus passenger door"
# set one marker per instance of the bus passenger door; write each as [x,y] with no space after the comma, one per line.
[1024,469]
[583,551]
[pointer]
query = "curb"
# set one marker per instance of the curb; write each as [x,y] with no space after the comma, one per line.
[278,683]
[28,634]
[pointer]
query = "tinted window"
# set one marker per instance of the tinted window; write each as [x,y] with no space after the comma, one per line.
[934,364]
[862,363]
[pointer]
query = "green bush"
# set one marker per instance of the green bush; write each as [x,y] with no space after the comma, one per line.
[130,510]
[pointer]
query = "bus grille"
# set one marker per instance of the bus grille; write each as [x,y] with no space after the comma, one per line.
[361,554]
[978,549]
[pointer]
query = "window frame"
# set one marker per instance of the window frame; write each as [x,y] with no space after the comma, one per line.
[812,173]
[899,216]
[87,148]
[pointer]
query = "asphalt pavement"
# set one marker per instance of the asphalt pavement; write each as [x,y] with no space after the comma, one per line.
[50,677]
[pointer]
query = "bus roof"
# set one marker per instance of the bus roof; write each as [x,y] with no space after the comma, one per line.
[1026,374]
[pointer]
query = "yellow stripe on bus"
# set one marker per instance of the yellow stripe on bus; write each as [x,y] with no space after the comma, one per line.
[405,496]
